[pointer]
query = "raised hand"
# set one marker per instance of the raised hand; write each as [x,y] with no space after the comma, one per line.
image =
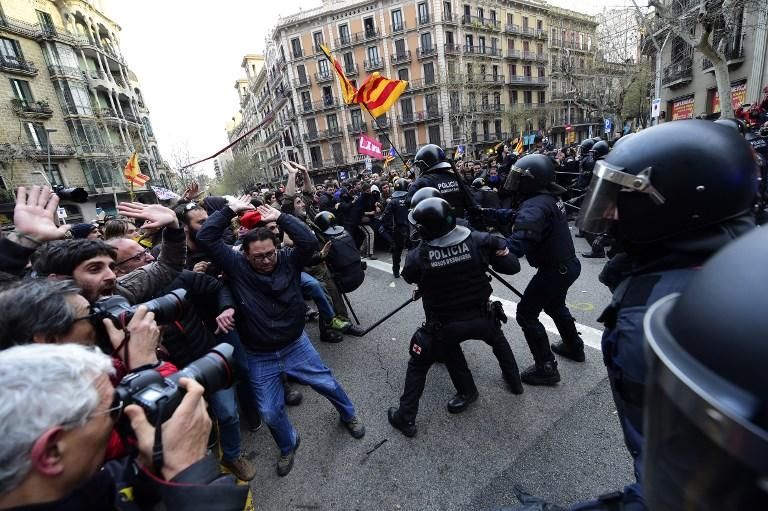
[290,167]
[34,213]
[268,213]
[239,204]
[156,216]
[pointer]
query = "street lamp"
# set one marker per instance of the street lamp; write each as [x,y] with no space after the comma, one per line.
[48,132]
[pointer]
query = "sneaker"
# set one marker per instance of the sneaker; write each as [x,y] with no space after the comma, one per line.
[406,428]
[543,374]
[338,324]
[285,461]
[355,427]
[311,315]
[460,402]
[573,351]
[240,468]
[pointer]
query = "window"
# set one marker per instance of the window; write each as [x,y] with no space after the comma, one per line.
[540,49]
[469,41]
[454,101]
[76,98]
[429,73]
[306,99]
[481,44]
[527,97]
[301,71]
[322,67]
[22,91]
[510,19]
[510,44]
[471,100]
[373,54]
[312,126]
[540,25]
[410,141]
[296,47]
[467,11]
[426,41]
[402,74]
[486,129]
[431,101]
[480,13]
[317,38]
[497,127]
[527,71]
[447,10]
[542,97]
[349,62]
[10,51]
[54,174]
[156,153]
[422,13]
[449,38]
[327,95]
[400,49]
[525,23]
[344,34]
[46,22]
[496,98]
[370,28]
[495,72]
[147,126]
[332,122]
[357,119]
[316,155]
[397,21]
[3,186]
[513,69]
[541,72]
[484,100]
[36,135]
[469,71]
[406,108]
[434,134]
[526,46]
[338,153]
[513,97]
[493,16]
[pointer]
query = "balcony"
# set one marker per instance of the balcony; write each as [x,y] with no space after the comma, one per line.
[421,83]
[479,23]
[529,55]
[511,29]
[425,53]
[542,57]
[423,19]
[734,55]
[32,109]
[15,65]
[367,35]
[373,65]
[528,31]
[58,151]
[513,54]
[382,123]
[401,58]
[482,50]
[275,79]
[302,81]
[541,34]
[452,49]
[342,41]
[678,74]
[93,149]
[314,135]
[450,18]
[323,77]
[274,158]
[421,116]
[273,137]
[105,113]
[399,27]
[354,129]
[351,70]
[537,81]
[493,136]
[66,72]
[297,53]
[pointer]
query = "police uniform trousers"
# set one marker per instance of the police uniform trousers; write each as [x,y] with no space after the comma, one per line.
[399,238]
[448,336]
[547,291]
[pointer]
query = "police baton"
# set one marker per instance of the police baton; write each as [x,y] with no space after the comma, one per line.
[505,283]
[382,320]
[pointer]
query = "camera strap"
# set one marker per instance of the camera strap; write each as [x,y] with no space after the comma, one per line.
[157,448]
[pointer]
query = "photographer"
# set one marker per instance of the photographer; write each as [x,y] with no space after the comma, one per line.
[50,458]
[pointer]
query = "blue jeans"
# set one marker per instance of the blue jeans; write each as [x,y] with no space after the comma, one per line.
[224,409]
[300,361]
[311,287]
[241,385]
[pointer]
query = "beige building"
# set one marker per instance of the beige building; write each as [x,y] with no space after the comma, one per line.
[478,73]
[68,92]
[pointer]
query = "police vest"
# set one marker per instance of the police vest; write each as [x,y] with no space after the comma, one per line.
[453,278]
[344,262]
[400,208]
[542,219]
[447,183]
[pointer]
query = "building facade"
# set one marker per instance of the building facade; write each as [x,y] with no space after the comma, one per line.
[70,96]
[478,73]
[688,87]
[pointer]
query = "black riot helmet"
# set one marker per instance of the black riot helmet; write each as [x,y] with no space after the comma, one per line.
[427,192]
[736,124]
[706,429]
[326,222]
[600,149]
[532,174]
[430,157]
[670,180]
[478,183]
[585,146]
[435,220]
[401,185]
[623,139]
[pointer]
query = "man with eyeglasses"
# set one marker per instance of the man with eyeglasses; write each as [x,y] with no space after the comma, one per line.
[51,458]
[267,286]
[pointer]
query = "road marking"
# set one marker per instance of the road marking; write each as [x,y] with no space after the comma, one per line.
[591,336]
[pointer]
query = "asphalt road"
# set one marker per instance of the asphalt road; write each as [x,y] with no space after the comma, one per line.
[561,443]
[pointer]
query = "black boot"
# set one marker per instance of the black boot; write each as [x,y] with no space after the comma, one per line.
[396,270]
[327,334]
[407,428]
[460,402]
[542,374]
[570,350]
[293,396]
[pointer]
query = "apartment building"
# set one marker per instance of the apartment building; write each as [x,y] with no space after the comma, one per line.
[71,99]
[688,87]
[478,73]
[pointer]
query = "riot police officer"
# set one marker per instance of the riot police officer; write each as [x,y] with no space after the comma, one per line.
[542,234]
[395,222]
[672,195]
[484,195]
[435,171]
[449,266]
[342,256]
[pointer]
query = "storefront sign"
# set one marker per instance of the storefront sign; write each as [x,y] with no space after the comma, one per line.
[738,95]
[682,109]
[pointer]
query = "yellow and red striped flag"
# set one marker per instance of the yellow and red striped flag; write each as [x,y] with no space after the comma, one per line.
[378,93]
[132,172]
[519,148]
[348,91]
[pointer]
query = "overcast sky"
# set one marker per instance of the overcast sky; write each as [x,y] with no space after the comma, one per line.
[187,57]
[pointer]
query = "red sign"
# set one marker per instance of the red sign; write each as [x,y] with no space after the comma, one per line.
[682,109]
[568,127]
[738,95]
[369,146]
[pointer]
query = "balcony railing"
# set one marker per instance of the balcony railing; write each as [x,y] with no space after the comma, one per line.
[372,65]
[480,23]
[361,127]
[452,49]
[733,54]
[128,116]
[41,152]
[32,109]
[529,55]
[399,27]
[512,29]
[421,83]
[343,41]
[105,113]
[542,57]
[351,70]
[323,77]
[302,81]
[449,17]
[421,116]
[424,53]
[66,72]
[493,136]
[513,54]
[423,19]
[678,72]
[94,148]
[482,50]
[17,65]
[366,35]
[382,123]
[402,57]
[527,80]
[497,78]
[297,53]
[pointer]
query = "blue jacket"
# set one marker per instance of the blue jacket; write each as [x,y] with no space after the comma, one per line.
[271,306]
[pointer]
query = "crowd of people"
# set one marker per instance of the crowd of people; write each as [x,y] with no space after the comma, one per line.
[91,310]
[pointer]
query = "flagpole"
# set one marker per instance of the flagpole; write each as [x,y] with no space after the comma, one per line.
[385,134]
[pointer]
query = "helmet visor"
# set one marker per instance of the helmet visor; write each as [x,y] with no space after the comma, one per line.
[599,209]
[512,183]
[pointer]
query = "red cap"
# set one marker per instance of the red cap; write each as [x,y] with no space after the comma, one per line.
[250,219]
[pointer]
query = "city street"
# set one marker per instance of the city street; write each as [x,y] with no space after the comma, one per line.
[561,443]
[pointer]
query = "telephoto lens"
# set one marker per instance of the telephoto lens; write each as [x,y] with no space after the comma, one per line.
[167,308]
[71,194]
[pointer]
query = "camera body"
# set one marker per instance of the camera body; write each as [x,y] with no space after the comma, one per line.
[160,396]
[166,308]
[73,194]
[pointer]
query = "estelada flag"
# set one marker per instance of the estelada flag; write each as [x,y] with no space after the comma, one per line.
[348,91]
[132,167]
[378,94]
